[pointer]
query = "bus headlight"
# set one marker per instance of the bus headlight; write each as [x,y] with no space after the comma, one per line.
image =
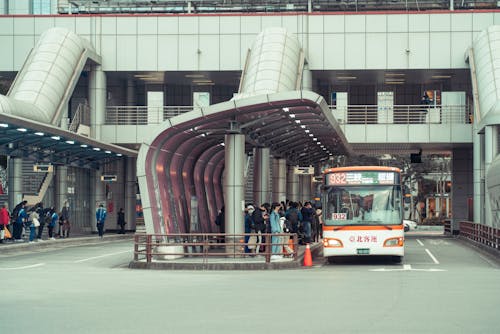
[330,242]
[394,242]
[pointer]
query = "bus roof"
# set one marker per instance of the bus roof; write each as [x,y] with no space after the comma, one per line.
[362,168]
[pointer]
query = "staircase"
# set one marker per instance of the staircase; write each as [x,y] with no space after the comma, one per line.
[35,184]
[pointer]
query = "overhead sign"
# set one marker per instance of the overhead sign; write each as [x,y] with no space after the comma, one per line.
[43,168]
[360,177]
[108,178]
[303,170]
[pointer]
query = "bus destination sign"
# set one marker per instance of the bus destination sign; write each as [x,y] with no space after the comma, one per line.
[360,177]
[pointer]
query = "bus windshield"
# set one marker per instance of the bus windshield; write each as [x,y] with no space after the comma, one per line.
[363,205]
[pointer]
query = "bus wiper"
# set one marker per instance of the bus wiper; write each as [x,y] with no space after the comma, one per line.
[377,222]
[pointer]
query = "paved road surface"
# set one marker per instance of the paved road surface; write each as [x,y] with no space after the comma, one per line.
[442,286]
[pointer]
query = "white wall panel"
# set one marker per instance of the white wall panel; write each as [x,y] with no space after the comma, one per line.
[67,22]
[108,53]
[440,22]
[209,25]
[271,21]
[6,26]
[168,25]
[496,18]
[188,25]
[250,25]
[460,42]
[419,50]
[333,53]
[418,23]
[44,23]
[230,53]
[355,23]
[355,49]
[291,23]
[24,25]
[481,21]
[376,50]
[126,53]
[147,53]
[376,23]
[83,25]
[315,51]
[22,47]
[461,22]
[397,44]
[188,52]
[7,53]
[209,56]
[334,23]
[126,25]
[147,25]
[230,24]
[168,52]
[440,49]
[108,25]
[397,23]
[315,24]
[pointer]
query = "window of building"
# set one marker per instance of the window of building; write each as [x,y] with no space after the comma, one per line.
[41,7]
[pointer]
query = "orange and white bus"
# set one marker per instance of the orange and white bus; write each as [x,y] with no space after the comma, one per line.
[362,212]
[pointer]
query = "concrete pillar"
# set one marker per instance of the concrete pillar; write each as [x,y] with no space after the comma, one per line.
[261,176]
[234,185]
[478,174]
[279,180]
[15,179]
[462,185]
[305,185]
[97,100]
[131,99]
[61,186]
[490,152]
[292,185]
[130,193]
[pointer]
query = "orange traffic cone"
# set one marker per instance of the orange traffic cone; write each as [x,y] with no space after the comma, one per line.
[307,257]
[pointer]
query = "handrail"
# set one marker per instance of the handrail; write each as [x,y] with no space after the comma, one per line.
[138,115]
[352,114]
[207,245]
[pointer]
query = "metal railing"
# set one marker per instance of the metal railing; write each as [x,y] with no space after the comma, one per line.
[142,115]
[203,6]
[352,114]
[403,114]
[479,233]
[208,245]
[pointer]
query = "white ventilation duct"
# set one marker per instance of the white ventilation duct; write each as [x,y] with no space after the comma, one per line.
[273,64]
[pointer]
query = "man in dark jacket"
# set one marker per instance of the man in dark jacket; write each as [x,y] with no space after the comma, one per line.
[307,218]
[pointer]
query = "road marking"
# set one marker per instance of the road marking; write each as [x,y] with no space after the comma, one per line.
[101,256]
[25,267]
[406,267]
[420,242]
[432,256]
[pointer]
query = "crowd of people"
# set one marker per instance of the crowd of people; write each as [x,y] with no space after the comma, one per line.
[29,223]
[285,217]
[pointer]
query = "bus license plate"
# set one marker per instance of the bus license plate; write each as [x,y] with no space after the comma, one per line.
[363,251]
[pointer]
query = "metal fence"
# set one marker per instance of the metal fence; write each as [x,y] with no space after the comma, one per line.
[402,114]
[481,234]
[210,245]
[142,115]
[352,114]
